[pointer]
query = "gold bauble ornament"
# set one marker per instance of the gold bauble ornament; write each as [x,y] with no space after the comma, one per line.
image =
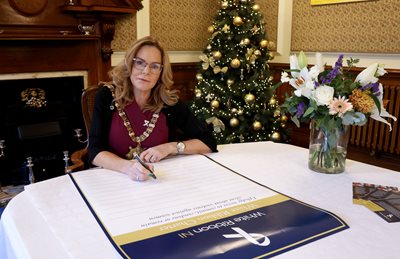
[283,125]
[240,112]
[271,56]
[284,118]
[224,5]
[234,110]
[257,52]
[234,122]
[264,44]
[199,76]
[214,104]
[197,93]
[235,63]
[249,98]
[230,82]
[276,136]
[211,29]
[257,125]
[209,47]
[272,101]
[256,7]
[271,44]
[246,41]
[217,55]
[237,21]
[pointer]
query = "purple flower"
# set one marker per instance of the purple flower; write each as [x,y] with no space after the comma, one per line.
[374,87]
[300,109]
[326,80]
[339,62]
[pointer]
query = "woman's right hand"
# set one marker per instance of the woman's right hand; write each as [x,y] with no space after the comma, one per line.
[131,168]
[136,171]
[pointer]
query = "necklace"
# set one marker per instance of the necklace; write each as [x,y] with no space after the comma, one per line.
[138,139]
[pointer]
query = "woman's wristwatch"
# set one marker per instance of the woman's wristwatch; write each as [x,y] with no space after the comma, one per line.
[180,147]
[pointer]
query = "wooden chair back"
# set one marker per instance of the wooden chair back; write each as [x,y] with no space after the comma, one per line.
[79,158]
[87,103]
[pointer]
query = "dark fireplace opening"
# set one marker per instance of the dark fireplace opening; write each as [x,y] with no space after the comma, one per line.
[37,119]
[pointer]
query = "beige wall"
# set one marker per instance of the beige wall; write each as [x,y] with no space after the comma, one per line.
[368,30]
[125,33]
[372,27]
[182,25]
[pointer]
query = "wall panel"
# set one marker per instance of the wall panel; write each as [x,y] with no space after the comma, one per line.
[371,27]
[182,25]
[125,33]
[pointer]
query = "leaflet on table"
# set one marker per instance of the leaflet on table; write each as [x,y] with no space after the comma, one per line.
[199,208]
[383,200]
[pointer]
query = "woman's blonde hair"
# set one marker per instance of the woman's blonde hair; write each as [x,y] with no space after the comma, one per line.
[160,94]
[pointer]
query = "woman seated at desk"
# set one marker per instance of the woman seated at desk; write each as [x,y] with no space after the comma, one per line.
[138,114]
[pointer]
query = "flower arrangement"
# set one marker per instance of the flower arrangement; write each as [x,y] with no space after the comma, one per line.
[332,96]
[333,99]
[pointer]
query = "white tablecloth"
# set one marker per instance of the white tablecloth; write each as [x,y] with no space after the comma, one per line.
[61,226]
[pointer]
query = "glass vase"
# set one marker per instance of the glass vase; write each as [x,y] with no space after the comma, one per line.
[328,148]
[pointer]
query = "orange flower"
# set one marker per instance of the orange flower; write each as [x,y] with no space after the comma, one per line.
[361,101]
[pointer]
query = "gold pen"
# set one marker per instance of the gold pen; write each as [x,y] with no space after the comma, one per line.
[145,166]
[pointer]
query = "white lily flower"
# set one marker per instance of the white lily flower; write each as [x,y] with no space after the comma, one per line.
[304,84]
[367,76]
[378,116]
[380,71]
[318,62]
[314,72]
[304,81]
[302,60]
[285,77]
[294,65]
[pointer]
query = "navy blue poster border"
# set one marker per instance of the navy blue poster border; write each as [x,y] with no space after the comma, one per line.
[265,229]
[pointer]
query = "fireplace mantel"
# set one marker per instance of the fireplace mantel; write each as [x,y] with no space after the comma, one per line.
[51,38]
[44,55]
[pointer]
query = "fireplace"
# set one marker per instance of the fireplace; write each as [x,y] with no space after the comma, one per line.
[37,119]
[45,63]
[58,69]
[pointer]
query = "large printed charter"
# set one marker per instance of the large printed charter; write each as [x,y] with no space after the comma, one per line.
[199,208]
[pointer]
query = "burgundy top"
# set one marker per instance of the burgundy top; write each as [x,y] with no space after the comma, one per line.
[119,138]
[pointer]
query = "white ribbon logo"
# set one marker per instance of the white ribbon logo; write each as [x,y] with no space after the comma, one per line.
[251,237]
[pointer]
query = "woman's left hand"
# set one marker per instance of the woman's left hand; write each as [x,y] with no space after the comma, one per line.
[155,154]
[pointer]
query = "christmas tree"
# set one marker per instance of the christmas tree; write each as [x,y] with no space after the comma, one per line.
[234,91]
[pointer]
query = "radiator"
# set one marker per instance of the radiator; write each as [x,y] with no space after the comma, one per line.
[375,135]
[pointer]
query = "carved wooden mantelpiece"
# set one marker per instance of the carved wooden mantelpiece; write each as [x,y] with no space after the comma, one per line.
[55,28]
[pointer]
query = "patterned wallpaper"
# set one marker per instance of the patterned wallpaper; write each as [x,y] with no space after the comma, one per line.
[182,25]
[372,27]
[125,32]
[269,9]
